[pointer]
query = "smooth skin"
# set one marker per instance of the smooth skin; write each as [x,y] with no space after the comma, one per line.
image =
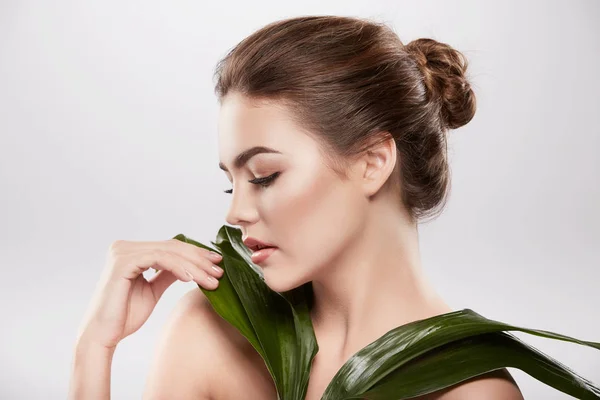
[124,299]
[351,238]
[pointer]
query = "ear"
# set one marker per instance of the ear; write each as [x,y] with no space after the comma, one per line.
[377,164]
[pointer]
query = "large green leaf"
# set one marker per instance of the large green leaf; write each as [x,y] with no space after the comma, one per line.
[472,356]
[429,342]
[278,326]
[413,359]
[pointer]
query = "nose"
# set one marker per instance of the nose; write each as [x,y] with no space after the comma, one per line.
[241,212]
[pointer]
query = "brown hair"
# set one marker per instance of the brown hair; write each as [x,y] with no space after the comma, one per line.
[352,83]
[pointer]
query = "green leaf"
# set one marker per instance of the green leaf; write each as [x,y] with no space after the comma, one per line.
[278,326]
[226,301]
[428,343]
[413,359]
[472,356]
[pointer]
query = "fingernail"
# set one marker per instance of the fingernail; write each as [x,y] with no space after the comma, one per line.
[218,269]
[215,256]
[213,280]
[189,274]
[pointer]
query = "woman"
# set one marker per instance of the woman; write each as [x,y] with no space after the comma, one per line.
[332,132]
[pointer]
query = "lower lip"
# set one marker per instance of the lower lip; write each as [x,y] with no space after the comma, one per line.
[262,254]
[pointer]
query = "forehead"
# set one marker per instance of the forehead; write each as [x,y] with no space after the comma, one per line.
[244,123]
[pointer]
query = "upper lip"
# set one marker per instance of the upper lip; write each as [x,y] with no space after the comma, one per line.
[254,244]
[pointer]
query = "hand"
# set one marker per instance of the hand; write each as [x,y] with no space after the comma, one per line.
[124,299]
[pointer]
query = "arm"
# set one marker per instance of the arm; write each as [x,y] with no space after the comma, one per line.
[90,371]
[123,301]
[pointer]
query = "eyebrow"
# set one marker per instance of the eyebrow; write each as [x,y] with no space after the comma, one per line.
[246,155]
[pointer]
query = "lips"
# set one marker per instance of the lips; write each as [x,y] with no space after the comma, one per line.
[260,247]
[255,244]
[260,250]
[261,255]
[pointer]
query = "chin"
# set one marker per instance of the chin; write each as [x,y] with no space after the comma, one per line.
[280,282]
[278,285]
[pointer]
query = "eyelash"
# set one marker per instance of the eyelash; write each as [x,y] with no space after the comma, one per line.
[264,182]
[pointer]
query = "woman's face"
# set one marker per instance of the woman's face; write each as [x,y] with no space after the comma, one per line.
[307,211]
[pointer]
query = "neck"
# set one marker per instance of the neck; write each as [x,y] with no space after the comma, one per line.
[375,285]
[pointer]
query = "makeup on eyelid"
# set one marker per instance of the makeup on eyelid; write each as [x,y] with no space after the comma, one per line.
[262,181]
[265,171]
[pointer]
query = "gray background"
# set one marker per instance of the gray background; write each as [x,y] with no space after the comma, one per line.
[108,131]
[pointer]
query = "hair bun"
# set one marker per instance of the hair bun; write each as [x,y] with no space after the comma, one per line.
[444,70]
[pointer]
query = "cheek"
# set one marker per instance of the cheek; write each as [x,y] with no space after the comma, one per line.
[311,216]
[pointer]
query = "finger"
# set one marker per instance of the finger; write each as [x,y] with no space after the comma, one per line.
[184,269]
[207,260]
[160,282]
[193,258]
[209,266]
[204,278]
[190,251]
[132,265]
[202,270]
[203,259]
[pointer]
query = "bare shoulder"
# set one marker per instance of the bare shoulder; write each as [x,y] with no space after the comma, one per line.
[494,385]
[194,346]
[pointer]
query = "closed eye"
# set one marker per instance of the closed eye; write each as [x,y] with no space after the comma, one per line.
[264,182]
